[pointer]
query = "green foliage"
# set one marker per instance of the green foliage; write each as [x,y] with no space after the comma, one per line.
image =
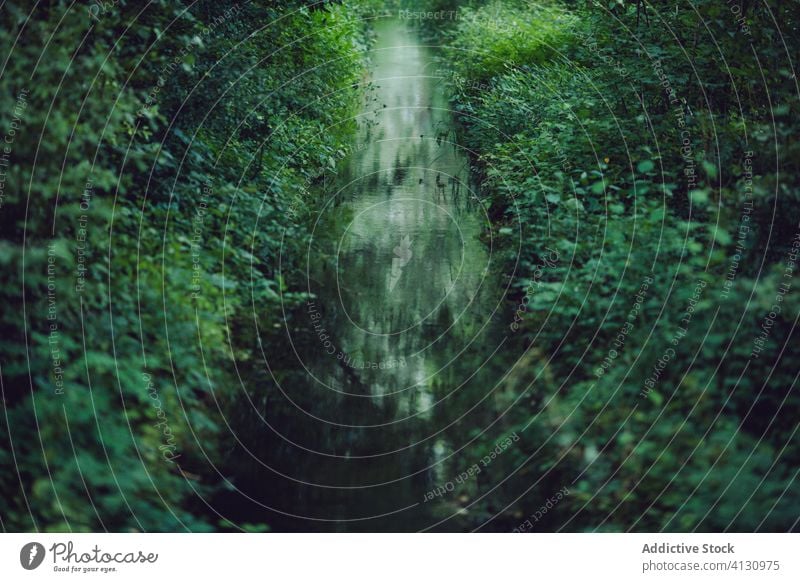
[156,179]
[635,156]
[499,36]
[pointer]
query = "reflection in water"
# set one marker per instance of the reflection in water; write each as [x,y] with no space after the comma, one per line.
[398,324]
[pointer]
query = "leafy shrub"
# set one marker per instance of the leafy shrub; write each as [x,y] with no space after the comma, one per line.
[634,158]
[161,155]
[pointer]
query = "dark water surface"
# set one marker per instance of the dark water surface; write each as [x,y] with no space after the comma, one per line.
[400,324]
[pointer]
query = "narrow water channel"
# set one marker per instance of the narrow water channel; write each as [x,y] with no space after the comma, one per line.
[400,323]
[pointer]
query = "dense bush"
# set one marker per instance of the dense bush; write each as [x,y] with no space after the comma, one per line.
[638,143]
[161,159]
[157,170]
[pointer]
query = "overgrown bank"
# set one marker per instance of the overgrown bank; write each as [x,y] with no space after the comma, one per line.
[629,153]
[157,167]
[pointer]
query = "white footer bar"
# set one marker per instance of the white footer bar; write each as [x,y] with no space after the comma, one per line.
[400,557]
